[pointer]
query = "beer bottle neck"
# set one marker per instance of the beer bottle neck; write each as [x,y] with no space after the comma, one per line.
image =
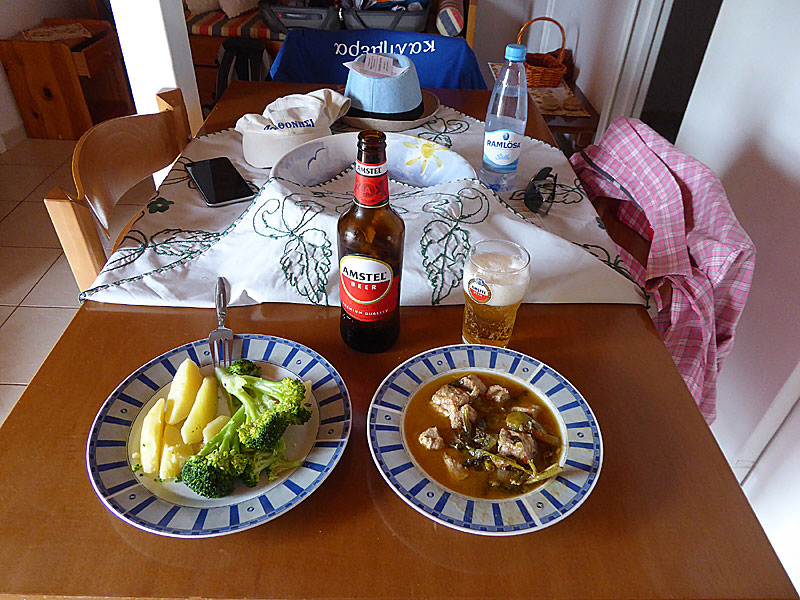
[371,189]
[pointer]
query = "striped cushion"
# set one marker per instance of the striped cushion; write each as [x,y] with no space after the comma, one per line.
[450,18]
[249,24]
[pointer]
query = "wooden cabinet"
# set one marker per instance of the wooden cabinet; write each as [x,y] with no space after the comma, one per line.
[64,87]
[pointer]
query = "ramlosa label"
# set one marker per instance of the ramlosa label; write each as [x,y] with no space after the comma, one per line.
[501,149]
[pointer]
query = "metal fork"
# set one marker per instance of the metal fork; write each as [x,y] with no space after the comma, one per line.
[221,339]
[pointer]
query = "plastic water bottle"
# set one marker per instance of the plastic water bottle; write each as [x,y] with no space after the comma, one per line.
[505,122]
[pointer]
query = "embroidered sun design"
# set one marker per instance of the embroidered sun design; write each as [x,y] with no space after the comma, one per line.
[427,152]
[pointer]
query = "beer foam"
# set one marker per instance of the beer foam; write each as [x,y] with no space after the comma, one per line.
[502,275]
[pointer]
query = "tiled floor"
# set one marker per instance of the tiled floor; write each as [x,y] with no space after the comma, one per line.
[38,294]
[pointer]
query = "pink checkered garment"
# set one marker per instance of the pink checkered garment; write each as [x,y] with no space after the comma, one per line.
[698,248]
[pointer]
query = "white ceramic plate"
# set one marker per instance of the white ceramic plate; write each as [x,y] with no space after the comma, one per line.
[172,509]
[324,158]
[533,511]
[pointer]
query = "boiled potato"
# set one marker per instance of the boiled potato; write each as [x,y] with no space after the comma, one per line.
[173,453]
[203,411]
[183,391]
[150,438]
[214,427]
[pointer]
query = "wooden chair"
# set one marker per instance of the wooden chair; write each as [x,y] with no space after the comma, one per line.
[109,159]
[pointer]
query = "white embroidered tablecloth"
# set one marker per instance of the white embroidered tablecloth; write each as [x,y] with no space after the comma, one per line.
[282,246]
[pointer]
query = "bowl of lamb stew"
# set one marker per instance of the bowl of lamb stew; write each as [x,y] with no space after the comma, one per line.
[484,434]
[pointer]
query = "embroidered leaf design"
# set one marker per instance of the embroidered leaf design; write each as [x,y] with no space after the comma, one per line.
[445,244]
[468,205]
[306,263]
[306,254]
[439,130]
[160,204]
[178,174]
[174,243]
[615,263]
[444,249]
[128,254]
[181,243]
[565,194]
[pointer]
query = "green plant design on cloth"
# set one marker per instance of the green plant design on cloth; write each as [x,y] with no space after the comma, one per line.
[615,263]
[565,194]
[178,174]
[158,205]
[439,130]
[306,259]
[445,242]
[180,244]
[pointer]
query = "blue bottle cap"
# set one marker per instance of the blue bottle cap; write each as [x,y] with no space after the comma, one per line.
[516,52]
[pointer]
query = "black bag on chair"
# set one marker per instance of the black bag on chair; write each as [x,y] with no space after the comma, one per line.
[241,59]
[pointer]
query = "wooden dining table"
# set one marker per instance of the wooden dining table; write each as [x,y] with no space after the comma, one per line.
[666,519]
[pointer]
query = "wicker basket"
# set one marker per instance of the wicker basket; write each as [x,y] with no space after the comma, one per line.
[542,69]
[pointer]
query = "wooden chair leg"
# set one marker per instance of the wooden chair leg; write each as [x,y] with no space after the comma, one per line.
[76,230]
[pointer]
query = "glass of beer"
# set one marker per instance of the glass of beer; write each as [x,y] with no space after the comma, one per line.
[496,278]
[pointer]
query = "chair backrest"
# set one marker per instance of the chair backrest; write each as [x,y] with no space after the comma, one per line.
[318,56]
[241,59]
[109,159]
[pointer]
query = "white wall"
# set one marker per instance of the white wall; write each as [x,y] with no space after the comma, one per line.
[15,17]
[595,32]
[773,493]
[497,24]
[159,60]
[598,33]
[742,121]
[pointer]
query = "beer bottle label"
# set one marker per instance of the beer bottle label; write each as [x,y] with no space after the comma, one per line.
[367,287]
[372,185]
[479,291]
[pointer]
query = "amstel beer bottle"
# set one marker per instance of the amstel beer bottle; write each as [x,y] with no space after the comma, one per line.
[370,254]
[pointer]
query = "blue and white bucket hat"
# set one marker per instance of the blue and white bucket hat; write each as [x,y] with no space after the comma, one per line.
[392,103]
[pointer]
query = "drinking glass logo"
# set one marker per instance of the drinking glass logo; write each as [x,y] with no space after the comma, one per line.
[479,291]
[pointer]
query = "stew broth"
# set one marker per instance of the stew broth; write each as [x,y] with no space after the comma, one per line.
[421,415]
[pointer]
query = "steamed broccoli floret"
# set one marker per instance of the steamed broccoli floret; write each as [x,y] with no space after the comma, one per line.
[271,464]
[245,367]
[270,407]
[289,393]
[212,472]
[240,367]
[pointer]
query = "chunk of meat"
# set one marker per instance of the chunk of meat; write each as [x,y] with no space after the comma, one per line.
[431,439]
[457,419]
[516,444]
[448,399]
[474,386]
[498,394]
[456,468]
